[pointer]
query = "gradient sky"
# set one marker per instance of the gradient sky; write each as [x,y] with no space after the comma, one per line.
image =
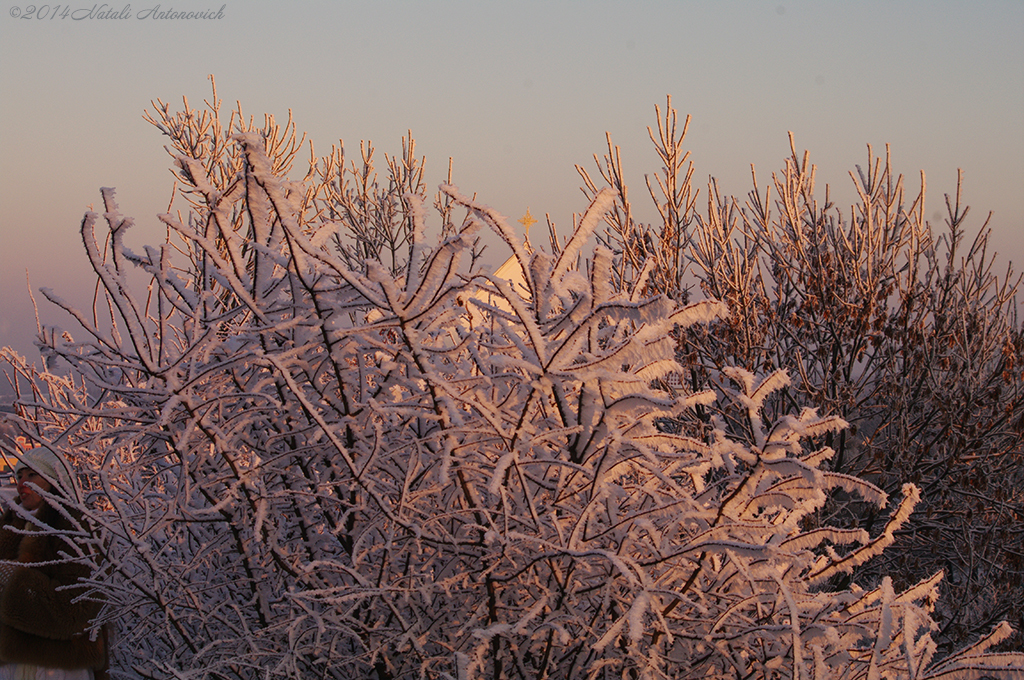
[517,92]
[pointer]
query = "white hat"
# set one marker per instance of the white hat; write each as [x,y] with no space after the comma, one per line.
[50,464]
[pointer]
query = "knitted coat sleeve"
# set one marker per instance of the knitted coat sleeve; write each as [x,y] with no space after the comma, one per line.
[44,594]
[43,602]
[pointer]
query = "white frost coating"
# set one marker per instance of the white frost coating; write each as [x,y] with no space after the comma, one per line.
[601,205]
[417,214]
[637,628]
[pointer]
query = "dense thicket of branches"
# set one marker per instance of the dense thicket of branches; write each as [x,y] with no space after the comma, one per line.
[320,443]
[904,329]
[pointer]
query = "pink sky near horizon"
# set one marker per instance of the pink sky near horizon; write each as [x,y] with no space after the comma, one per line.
[516,92]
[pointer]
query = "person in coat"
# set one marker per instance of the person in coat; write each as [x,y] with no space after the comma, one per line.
[44,618]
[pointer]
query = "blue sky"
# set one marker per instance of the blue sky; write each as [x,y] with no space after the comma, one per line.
[516,92]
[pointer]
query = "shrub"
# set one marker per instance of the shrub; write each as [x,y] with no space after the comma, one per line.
[305,457]
[904,330]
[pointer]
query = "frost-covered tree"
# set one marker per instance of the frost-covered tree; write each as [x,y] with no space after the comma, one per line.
[304,457]
[904,329]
